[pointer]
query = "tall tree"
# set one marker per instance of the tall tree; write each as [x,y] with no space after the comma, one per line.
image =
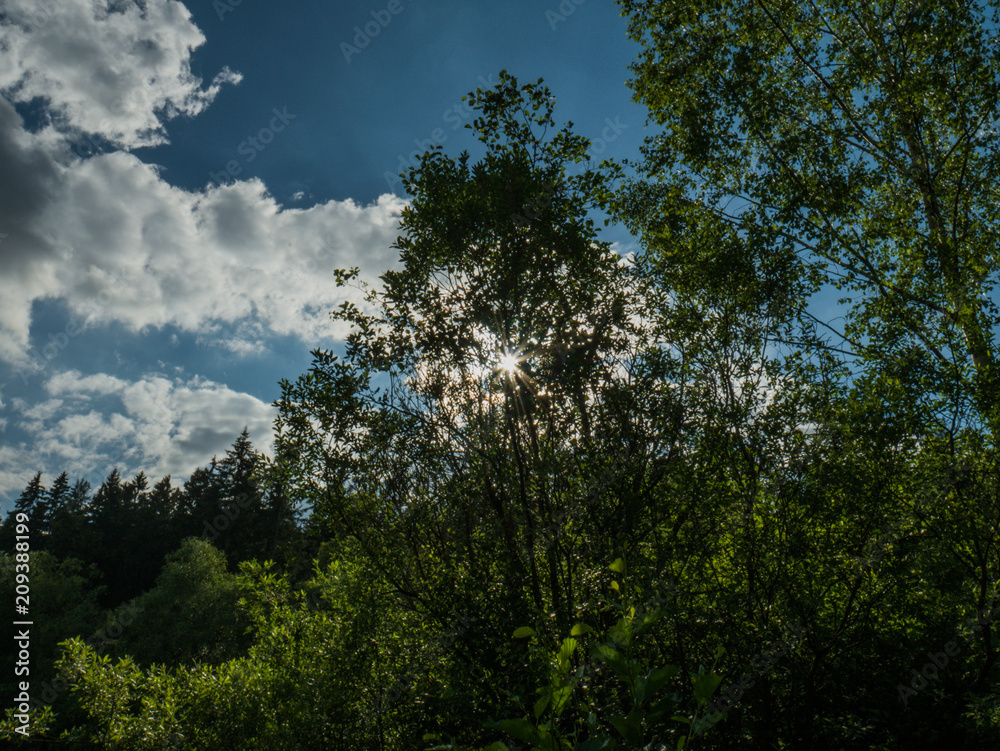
[33,503]
[859,144]
[73,536]
[850,147]
[111,517]
[58,495]
[242,500]
[61,517]
[482,427]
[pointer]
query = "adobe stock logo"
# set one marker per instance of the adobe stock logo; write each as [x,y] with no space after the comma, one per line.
[610,133]
[222,7]
[454,116]
[363,37]
[252,146]
[566,9]
[937,662]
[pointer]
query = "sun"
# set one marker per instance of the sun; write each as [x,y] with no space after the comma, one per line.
[507,362]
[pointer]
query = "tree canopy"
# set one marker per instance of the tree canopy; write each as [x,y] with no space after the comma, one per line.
[735,489]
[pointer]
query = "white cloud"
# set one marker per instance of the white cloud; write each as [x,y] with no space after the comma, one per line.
[118,244]
[72,382]
[13,475]
[115,241]
[28,262]
[115,69]
[155,424]
[141,252]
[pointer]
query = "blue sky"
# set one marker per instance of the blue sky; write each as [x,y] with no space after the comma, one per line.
[178,181]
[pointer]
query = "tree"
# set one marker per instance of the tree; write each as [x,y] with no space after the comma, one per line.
[242,500]
[307,681]
[128,539]
[859,142]
[34,504]
[108,503]
[237,504]
[58,495]
[63,604]
[71,535]
[200,502]
[487,422]
[190,615]
[66,516]
[808,147]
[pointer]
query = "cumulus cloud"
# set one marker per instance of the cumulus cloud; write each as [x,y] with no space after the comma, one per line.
[112,68]
[107,236]
[91,423]
[143,253]
[112,239]
[28,260]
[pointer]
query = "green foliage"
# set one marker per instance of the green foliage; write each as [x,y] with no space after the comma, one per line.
[584,707]
[190,615]
[301,684]
[463,438]
[518,406]
[63,601]
[834,141]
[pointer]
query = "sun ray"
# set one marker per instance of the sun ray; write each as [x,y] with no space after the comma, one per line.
[508,362]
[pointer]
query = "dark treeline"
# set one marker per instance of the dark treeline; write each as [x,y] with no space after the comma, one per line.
[739,490]
[115,556]
[126,528]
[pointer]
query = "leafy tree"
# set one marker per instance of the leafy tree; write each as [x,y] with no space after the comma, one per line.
[503,413]
[64,602]
[190,615]
[859,142]
[307,681]
[455,417]
[812,147]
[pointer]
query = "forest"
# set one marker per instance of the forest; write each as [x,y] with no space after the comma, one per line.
[738,489]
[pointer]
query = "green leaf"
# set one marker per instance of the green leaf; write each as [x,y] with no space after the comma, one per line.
[613,657]
[621,632]
[567,649]
[520,729]
[618,566]
[541,704]
[629,726]
[658,677]
[580,629]
[705,685]
[523,632]
[646,620]
[594,744]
